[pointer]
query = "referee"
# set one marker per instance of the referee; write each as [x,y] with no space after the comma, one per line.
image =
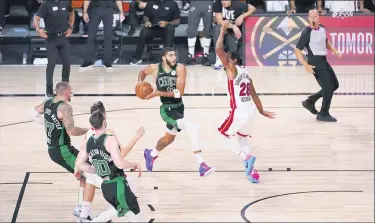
[58,17]
[314,38]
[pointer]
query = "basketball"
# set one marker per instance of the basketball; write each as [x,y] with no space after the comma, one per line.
[143,89]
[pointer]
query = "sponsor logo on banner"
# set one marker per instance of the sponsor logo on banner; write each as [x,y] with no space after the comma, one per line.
[270,41]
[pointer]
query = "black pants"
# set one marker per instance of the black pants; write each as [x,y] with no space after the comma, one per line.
[230,40]
[202,9]
[327,80]
[3,6]
[57,45]
[96,15]
[132,18]
[152,32]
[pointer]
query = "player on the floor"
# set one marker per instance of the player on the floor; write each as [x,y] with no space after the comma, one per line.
[104,151]
[93,180]
[243,101]
[170,86]
[59,126]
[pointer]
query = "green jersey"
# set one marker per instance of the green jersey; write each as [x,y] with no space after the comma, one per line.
[101,159]
[55,130]
[167,82]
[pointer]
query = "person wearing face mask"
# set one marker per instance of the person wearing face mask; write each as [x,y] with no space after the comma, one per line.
[160,19]
[314,39]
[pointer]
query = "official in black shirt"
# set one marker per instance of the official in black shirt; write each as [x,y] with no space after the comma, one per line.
[160,18]
[100,10]
[58,18]
[314,39]
[235,12]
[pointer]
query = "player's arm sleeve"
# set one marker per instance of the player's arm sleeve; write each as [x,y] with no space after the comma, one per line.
[304,39]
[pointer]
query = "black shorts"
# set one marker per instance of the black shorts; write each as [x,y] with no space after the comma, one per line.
[170,113]
[118,193]
[65,156]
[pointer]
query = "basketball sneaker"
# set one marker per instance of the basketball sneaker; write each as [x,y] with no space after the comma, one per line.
[205,170]
[249,163]
[254,176]
[149,159]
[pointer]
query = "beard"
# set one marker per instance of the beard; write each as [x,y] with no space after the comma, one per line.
[170,63]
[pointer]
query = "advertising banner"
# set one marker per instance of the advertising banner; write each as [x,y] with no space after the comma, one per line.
[270,40]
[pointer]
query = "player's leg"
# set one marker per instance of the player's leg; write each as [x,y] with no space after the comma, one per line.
[92,181]
[152,154]
[122,200]
[243,135]
[228,130]
[65,156]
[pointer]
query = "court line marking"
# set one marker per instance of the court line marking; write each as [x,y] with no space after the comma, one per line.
[187,94]
[217,171]
[20,197]
[131,109]
[243,210]
[14,183]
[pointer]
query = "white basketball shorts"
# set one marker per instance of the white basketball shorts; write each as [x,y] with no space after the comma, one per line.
[238,122]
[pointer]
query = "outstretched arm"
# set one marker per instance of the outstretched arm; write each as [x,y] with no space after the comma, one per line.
[36,113]
[149,70]
[127,148]
[258,103]
[66,112]
[219,49]
[113,148]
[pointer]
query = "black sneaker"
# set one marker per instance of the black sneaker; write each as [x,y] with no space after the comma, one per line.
[190,60]
[326,118]
[136,61]
[310,106]
[108,66]
[205,61]
[131,31]
[86,65]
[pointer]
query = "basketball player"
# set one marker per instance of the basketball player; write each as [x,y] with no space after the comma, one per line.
[104,151]
[243,100]
[93,180]
[170,86]
[59,126]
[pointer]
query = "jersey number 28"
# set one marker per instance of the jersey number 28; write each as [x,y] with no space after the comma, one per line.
[245,89]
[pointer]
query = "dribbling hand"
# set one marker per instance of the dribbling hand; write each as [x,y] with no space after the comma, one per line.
[139,168]
[154,93]
[269,114]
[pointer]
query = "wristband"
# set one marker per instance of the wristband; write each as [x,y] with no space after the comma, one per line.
[177,93]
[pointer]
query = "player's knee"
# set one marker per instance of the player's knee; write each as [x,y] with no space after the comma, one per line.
[168,138]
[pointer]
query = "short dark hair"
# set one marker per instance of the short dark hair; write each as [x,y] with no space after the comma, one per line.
[97,119]
[167,50]
[235,55]
[97,106]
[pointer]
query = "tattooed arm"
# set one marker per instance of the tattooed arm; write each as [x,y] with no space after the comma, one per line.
[65,114]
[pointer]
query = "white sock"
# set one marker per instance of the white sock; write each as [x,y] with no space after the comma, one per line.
[80,195]
[231,144]
[192,130]
[205,43]
[191,45]
[199,158]
[135,218]
[244,144]
[154,152]
[218,61]
[85,209]
[106,215]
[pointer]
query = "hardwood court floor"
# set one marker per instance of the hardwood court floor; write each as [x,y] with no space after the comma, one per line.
[331,177]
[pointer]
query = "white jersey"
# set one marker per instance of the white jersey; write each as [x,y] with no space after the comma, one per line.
[239,90]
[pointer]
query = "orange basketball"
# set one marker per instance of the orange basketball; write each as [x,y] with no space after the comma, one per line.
[143,89]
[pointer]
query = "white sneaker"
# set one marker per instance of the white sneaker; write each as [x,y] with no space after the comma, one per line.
[218,64]
[77,211]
